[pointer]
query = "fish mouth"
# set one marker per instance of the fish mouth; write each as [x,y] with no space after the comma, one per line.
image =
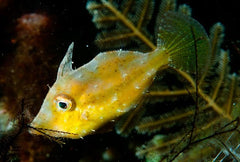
[50,133]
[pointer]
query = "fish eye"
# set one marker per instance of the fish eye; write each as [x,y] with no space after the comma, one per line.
[64,102]
[62,105]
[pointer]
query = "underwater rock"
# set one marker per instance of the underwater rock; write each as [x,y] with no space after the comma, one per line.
[26,72]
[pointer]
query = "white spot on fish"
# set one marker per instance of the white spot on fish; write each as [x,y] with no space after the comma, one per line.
[119,52]
[84,115]
[124,75]
[101,117]
[137,87]
[115,97]
[91,106]
[151,72]
[101,108]
[93,130]
[120,110]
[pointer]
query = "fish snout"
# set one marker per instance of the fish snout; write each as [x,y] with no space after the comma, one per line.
[33,130]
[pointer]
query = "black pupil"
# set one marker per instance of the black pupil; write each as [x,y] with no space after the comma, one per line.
[62,105]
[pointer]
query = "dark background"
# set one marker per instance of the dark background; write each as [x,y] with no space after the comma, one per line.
[73,22]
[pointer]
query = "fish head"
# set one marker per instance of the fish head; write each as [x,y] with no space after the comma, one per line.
[60,114]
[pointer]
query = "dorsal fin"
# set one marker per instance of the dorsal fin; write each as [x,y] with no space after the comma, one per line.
[66,64]
[185,40]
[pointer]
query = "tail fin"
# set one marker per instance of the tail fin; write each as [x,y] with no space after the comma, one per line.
[184,40]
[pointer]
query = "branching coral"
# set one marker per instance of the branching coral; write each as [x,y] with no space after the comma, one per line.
[209,118]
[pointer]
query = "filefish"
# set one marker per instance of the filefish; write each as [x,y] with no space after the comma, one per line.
[114,82]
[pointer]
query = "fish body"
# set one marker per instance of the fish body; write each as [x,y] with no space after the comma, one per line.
[83,100]
[99,91]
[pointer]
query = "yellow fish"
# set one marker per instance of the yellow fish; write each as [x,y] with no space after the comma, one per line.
[82,100]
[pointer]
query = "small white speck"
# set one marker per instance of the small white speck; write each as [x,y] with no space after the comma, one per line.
[119,52]
[91,106]
[234,104]
[81,137]
[124,75]
[84,115]
[72,62]
[137,87]
[87,45]
[112,120]
[95,86]
[77,108]
[93,130]
[114,98]
[101,117]
[149,74]
[65,120]
[120,110]
[101,108]
[124,104]
[83,131]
